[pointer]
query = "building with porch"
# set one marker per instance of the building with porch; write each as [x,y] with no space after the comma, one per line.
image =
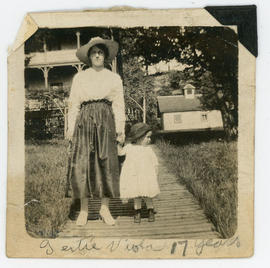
[50,64]
[50,57]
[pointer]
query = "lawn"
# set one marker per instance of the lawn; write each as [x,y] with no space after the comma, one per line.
[47,208]
[209,171]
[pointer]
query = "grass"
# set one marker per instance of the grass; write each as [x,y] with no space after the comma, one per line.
[209,171]
[47,208]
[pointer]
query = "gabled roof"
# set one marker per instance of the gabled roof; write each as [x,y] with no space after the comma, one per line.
[169,104]
[189,86]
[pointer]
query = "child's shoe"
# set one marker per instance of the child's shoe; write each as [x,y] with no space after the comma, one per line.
[151,215]
[137,216]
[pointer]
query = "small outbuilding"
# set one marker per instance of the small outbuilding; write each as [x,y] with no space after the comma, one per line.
[184,113]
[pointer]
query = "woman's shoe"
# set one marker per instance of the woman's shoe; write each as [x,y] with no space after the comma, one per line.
[106,216]
[151,215]
[82,218]
[137,216]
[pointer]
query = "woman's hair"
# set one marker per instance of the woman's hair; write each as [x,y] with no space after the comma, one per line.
[103,48]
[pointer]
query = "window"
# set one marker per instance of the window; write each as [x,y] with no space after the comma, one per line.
[189,91]
[177,119]
[204,117]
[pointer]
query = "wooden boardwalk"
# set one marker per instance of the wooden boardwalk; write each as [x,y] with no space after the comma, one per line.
[178,215]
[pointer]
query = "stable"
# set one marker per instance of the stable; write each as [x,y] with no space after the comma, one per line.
[184,113]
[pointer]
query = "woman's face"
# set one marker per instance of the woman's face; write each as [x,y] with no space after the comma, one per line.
[97,57]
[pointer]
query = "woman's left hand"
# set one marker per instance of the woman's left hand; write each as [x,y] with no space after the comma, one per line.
[120,138]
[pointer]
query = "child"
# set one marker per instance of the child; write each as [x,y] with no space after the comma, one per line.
[138,177]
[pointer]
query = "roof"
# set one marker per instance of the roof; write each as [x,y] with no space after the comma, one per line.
[169,104]
[189,86]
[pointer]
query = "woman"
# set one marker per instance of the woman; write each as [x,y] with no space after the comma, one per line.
[96,122]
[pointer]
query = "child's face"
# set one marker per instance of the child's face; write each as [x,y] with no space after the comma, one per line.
[146,139]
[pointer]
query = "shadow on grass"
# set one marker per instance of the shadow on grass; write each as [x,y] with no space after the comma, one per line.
[186,138]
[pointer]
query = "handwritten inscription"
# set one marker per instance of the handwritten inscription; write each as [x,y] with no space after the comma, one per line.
[130,246]
[211,243]
[182,248]
[47,246]
[143,246]
[83,245]
[177,244]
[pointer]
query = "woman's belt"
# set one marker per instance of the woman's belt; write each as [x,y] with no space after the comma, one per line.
[96,101]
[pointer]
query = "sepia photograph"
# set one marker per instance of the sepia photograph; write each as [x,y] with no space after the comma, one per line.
[131,132]
[132,137]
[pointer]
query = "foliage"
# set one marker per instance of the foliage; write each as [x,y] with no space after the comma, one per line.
[210,55]
[176,80]
[209,171]
[44,113]
[40,94]
[135,84]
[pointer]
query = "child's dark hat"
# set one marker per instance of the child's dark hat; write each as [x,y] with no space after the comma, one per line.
[137,131]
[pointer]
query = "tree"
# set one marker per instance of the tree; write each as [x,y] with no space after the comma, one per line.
[210,55]
[136,84]
[175,80]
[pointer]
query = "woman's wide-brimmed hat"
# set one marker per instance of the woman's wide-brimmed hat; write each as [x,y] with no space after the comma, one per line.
[137,131]
[82,52]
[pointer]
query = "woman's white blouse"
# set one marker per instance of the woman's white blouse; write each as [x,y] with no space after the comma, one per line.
[93,85]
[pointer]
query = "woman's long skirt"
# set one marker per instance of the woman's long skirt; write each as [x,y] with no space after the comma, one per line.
[93,169]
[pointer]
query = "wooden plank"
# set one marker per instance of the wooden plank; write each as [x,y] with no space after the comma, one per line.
[164,213]
[130,224]
[179,215]
[191,235]
[139,233]
[143,231]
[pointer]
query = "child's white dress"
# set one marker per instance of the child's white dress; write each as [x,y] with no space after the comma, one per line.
[138,177]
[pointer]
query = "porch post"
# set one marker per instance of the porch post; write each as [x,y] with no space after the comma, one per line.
[65,121]
[114,61]
[45,70]
[78,34]
[78,67]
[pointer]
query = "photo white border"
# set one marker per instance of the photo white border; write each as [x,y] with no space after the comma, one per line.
[241,245]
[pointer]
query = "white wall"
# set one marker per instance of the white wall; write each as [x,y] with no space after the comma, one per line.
[192,120]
